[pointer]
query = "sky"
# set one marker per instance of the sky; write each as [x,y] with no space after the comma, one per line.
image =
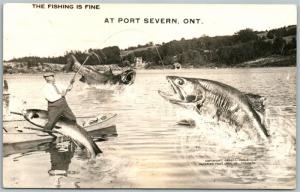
[29,31]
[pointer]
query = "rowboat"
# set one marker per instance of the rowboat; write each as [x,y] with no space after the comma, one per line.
[22,137]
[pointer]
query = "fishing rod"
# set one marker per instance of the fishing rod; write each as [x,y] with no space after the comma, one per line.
[73,78]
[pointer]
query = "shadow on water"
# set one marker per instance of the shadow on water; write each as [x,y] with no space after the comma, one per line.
[70,166]
[61,155]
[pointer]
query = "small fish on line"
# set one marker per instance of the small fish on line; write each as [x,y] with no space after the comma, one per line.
[91,76]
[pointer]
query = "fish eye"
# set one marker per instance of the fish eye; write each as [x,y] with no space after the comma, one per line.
[179,81]
[35,115]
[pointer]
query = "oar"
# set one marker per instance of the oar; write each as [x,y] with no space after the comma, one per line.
[39,129]
[50,132]
[14,120]
[17,113]
[21,114]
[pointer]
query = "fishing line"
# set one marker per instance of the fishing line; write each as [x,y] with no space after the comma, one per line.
[142,32]
[145,35]
[160,57]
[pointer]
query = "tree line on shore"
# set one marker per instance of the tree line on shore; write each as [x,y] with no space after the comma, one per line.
[228,50]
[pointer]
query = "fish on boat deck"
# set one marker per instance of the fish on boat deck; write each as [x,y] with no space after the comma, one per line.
[65,127]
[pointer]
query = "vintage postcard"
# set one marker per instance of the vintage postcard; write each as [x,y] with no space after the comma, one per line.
[180,96]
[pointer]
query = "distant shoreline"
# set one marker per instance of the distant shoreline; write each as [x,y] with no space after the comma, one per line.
[272,61]
[157,70]
[265,62]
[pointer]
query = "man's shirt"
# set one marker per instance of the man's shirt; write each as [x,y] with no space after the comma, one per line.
[52,92]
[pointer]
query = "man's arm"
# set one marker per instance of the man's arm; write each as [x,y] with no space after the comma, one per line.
[69,88]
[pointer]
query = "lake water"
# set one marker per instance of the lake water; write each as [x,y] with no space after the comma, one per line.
[151,151]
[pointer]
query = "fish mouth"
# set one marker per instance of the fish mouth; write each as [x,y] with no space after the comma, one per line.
[36,117]
[128,77]
[30,114]
[176,96]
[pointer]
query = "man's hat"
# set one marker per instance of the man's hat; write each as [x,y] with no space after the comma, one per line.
[48,74]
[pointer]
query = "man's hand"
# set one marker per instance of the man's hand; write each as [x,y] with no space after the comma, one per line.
[69,88]
[64,93]
[71,85]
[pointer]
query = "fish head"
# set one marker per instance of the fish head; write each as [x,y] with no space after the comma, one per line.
[128,77]
[186,91]
[36,116]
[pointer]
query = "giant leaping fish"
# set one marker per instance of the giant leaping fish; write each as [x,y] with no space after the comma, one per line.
[91,76]
[65,127]
[219,101]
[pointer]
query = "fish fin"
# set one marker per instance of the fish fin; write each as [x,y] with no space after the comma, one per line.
[198,108]
[77,143]
[263,123]
[82,79]
[265,130]
[257,102]
[96,148]
[69,66]
[187,122]
[261,116]
[91,68]
[199,105]
[108,72]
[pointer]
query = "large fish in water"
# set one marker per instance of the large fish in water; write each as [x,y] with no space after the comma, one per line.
[219,101]
[91,76]
[65,127]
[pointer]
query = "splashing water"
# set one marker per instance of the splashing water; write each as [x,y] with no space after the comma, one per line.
[215,148]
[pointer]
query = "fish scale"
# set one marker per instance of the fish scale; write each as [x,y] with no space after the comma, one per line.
[217,100]
[221,101]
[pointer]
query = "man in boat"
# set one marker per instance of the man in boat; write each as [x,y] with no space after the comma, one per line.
[57,104]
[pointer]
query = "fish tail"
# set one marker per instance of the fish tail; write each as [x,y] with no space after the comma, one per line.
[96,148]
[261,123]
[264,129]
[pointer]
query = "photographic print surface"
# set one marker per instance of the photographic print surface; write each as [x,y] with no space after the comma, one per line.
[187,96]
